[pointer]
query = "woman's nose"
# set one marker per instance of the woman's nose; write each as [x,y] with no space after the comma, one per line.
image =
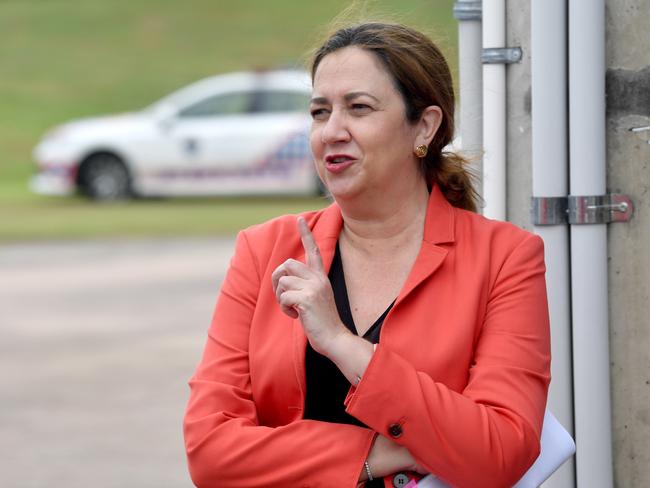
[335,129]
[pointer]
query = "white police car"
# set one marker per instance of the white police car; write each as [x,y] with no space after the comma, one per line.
[234,134]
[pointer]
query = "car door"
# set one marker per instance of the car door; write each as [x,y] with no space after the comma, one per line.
[249,141]
[193,144]
[213,137]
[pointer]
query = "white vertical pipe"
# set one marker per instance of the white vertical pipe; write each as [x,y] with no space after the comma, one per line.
[589,246]
[494,113]
[470,68]
[551,179]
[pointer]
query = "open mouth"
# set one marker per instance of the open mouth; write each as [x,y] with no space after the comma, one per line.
[338,163]
[338,159]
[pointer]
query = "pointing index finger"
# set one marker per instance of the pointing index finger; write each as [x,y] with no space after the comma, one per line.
[312,252]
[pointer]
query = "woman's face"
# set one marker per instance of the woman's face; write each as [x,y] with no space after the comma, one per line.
[360,137]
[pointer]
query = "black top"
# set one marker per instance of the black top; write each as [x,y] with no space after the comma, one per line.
[327,387]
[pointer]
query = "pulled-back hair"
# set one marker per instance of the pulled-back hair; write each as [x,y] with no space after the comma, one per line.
[421,75]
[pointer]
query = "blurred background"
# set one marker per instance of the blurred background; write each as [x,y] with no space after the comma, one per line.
[63,60]
[104,306]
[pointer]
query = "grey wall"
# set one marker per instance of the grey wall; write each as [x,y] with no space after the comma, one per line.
[628,161]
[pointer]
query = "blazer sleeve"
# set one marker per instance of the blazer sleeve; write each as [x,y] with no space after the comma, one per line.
[488,434]
[225,445]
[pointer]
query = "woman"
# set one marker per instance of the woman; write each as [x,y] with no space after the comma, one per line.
[393,333]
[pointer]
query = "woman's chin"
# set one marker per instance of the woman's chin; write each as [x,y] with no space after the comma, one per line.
[343,192]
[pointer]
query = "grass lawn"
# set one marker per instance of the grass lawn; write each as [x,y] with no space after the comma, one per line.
[65,59]
[74,218]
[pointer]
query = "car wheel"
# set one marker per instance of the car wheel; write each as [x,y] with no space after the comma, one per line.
[104,177]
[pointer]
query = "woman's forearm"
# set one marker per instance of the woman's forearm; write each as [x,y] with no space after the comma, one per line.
[351,354]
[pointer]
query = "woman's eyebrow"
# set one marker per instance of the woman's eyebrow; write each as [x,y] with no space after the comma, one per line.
[319,101]
[354,95]
[347,97]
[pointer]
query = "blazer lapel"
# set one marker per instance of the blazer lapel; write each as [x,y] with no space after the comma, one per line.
[428,261]
[438,228]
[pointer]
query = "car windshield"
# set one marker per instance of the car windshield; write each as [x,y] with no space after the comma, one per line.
[179,98]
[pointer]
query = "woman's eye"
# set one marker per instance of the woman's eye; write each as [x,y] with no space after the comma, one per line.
[361,108]
[318,113]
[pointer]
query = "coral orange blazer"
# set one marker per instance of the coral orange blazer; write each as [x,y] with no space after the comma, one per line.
[462,365]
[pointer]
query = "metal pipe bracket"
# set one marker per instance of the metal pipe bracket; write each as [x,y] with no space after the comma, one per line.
[580,210]
[468,10]
[501,55]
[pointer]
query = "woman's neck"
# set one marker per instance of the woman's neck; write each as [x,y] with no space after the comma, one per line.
[387,223]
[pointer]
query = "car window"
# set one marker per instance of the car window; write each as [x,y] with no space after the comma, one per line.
[224,104]
[280,101]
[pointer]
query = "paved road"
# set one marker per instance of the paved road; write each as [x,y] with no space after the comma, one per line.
[98,341]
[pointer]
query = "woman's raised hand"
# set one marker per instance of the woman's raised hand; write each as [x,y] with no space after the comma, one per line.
[303,290]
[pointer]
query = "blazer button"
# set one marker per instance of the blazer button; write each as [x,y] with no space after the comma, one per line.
[400,480]
[395,430]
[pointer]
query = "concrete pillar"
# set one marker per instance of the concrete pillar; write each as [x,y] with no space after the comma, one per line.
[628,171]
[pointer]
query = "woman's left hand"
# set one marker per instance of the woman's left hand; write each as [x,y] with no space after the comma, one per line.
[303,290]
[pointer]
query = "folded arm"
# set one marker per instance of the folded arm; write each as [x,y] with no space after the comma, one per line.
[225,443]
[488,434]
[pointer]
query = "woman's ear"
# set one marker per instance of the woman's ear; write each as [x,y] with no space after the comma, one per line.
[429,124]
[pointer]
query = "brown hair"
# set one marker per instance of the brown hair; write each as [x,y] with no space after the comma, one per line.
[422,77]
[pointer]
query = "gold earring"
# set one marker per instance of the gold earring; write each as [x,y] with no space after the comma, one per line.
[421,150]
